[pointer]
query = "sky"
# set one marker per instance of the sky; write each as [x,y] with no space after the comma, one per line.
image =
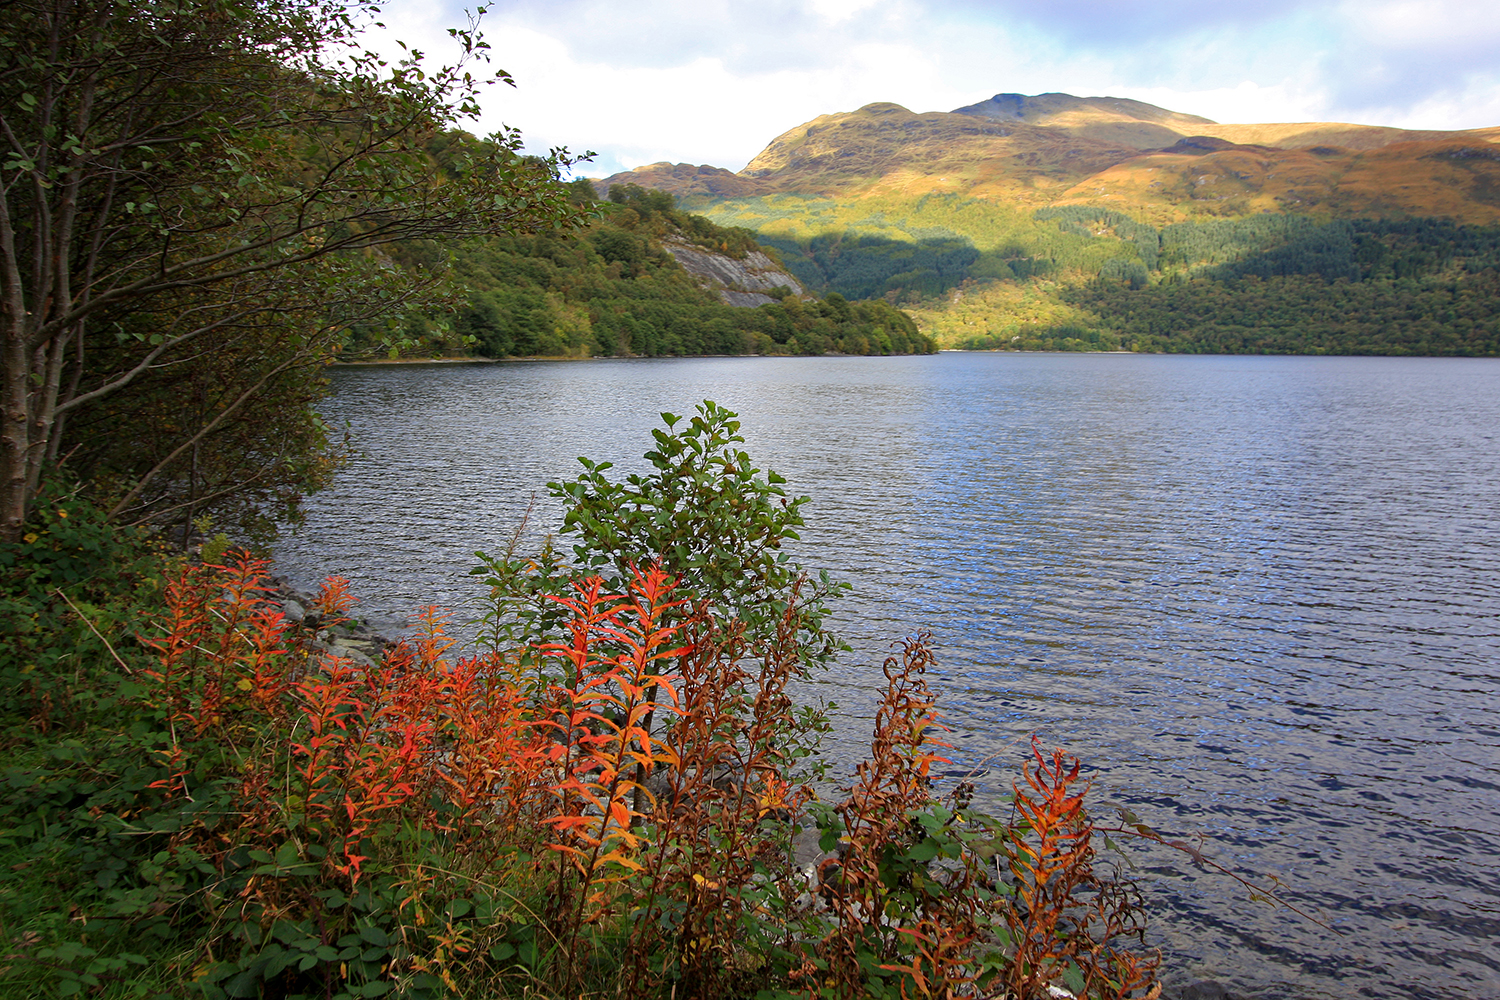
[714,81]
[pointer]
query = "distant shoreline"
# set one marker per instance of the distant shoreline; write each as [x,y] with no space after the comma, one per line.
[665,357]
[450,361]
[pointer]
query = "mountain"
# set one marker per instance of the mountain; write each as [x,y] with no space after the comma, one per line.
[684,179]
[1054,221]
[1107,119]
[1146,126]
[1055,149]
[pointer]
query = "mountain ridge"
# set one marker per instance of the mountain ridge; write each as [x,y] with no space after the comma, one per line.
[1047,149]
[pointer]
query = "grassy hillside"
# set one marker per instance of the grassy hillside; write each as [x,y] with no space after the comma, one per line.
[1011,215]
[1091,151]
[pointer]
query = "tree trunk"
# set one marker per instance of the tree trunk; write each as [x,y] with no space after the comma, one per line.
[14,440]
[15,369]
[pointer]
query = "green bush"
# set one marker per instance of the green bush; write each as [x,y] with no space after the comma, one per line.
[72,582]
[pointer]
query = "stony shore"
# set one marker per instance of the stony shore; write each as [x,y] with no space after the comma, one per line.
[357,643]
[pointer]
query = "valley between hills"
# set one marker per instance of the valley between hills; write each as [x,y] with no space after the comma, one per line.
[1063,223]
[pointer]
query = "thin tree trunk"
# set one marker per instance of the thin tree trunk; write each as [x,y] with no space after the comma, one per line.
[14,442]
[15,396]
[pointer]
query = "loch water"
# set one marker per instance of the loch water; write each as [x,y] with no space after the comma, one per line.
[1258,596]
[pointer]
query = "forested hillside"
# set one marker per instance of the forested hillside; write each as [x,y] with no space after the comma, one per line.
[613,289]
[1266,284]
[906,250]
[1082,277]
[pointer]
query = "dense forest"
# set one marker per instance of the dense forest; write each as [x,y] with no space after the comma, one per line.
[983,275]
[907,251]
[1300,314]
[613,290]
[1277,284]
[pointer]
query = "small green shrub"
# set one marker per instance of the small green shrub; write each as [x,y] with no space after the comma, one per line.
[70,592]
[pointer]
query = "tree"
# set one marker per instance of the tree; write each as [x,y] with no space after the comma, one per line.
[181,176]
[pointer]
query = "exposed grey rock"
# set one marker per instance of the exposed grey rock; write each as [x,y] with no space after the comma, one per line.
[740,282]
[354,656]
[747,300]
[294,612]
[807,852]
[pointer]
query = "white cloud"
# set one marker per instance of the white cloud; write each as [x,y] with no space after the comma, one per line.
[1447,25]
[1478,107]
[712,81]
[1245,102]
[698,111]
[838,11]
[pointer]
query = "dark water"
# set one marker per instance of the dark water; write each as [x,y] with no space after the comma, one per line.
[1260,597]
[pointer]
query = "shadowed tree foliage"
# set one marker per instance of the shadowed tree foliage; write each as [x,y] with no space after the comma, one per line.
[183,182]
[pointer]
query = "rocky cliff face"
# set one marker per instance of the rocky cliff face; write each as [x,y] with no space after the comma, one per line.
[739,282]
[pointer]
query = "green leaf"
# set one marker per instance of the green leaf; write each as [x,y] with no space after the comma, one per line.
[1073,978]
[246,984]
[923,851]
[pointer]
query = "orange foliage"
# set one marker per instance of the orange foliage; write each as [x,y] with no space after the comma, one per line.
[646,777]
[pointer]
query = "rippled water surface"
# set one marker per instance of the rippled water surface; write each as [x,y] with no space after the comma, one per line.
[1259,596]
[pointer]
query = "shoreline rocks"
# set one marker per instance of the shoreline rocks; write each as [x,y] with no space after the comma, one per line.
[351,640]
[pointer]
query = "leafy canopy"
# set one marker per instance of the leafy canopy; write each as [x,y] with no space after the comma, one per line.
[193,178]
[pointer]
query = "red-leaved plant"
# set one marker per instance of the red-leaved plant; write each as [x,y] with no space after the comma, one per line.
[615,809]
